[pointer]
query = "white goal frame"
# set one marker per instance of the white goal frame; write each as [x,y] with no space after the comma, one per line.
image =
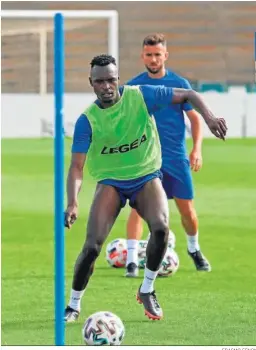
[113,28]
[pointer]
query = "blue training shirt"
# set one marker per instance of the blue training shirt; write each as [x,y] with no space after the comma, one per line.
[155,97]
[169,120]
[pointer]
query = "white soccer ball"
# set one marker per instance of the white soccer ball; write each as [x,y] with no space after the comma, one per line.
[170,263]
[116,253]
[171,239]
[103,328]
[142,254]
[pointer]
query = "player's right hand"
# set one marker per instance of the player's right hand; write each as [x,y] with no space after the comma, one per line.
[70,217]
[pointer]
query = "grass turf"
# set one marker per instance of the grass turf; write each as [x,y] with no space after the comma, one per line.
[216,308]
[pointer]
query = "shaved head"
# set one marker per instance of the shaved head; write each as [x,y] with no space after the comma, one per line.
[104,80]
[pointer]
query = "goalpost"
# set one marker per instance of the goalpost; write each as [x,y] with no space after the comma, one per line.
[59,77]
[112,38]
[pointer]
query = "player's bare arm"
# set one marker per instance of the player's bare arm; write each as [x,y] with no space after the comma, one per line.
[217,125]
[74,184]
[195,156]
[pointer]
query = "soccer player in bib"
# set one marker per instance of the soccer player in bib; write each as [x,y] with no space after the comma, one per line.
[118,138]
[176,167]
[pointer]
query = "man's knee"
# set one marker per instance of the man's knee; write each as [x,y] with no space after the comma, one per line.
[160,225]
[92,251]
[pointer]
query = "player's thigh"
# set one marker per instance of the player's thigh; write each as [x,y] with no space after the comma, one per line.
[104,210]
[151,203]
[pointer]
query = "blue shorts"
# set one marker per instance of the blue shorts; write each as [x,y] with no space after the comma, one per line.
[177,180]
[129,189]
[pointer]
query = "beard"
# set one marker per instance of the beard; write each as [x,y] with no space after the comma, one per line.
[154,70]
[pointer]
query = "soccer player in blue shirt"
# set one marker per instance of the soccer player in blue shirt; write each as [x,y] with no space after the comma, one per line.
[176,167]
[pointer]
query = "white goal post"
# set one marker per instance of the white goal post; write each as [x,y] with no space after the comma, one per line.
[110,15]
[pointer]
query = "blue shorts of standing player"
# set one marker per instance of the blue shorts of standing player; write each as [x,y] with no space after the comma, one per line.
[178,183]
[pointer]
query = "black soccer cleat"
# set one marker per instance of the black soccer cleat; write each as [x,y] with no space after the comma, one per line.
[132,270]
[71,315]
[201,263]
[152,308]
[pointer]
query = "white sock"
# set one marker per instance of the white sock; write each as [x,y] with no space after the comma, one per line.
[132,251]
[75,299]
[193,244]
[148,282]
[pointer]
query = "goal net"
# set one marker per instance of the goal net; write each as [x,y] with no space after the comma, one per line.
[27,63]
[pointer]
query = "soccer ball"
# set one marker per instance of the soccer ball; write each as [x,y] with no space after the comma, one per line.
[116,253]
[103,328]
[171,239]
[142,254]
[170,263]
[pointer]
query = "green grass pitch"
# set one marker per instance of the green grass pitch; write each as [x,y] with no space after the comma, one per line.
[216,308]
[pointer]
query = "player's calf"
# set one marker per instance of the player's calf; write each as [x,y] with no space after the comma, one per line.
[84,265]
[155,252]
[157,246]
[83,270]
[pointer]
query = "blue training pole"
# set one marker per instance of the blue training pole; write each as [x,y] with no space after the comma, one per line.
[59,179]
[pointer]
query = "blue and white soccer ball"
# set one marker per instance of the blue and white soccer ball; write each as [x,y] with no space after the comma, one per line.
[103,328]
[170,263]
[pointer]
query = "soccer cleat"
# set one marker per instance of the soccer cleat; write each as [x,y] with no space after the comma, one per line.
[71,315]
[132,270]
[201,263]
[152,308]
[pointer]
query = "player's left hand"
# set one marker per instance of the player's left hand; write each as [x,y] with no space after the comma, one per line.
[195,159]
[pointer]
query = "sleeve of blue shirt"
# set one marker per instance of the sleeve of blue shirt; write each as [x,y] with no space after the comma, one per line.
[156,97]
[186,106]
[82,135]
